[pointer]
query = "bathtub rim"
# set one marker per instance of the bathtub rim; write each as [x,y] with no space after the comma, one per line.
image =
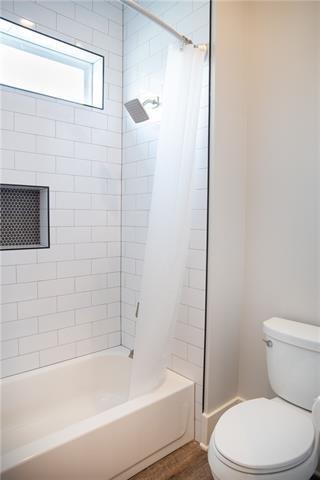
[172,383]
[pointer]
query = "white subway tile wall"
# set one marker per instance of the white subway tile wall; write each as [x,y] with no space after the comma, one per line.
[79,296]
[65,301]
[145,51]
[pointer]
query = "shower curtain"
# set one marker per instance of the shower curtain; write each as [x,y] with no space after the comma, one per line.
[170,217]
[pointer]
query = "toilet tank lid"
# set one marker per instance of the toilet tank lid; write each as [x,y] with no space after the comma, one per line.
[295,333]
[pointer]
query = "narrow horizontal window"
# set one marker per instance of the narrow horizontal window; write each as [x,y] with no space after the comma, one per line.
[37,63]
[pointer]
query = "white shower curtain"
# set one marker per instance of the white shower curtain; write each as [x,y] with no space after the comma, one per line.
[170,217]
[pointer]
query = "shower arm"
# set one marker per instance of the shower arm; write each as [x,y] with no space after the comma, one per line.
[155,102]
[133,4]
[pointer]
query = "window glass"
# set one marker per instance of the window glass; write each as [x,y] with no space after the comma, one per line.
[37,63]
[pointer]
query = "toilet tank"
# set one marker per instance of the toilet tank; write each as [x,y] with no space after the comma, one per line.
[293,360]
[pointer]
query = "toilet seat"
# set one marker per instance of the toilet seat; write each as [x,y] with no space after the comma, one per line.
[263,437]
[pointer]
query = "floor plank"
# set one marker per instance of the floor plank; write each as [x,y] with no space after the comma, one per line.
[186,463]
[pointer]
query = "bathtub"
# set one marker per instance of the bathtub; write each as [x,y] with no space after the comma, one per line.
[72,421]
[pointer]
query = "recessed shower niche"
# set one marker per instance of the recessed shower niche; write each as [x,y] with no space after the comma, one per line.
[24,217]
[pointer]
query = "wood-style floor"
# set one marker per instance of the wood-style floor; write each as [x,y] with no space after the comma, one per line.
[187,463]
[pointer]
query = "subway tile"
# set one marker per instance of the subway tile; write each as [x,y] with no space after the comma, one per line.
[56,253]
[106,170]
[114,339]
[22,363]
[7,159]
[8,275]
[74,29]
[14,176]
[115,30]
[51,288]
[195,355]
[19,328]
[18,141]
[91,314]
[107,295]
[7,120]
[106,265]
[56,111]
[59,183]
[8,312]
[197,317]
[102,40]
[73,234]
[179,348]
[90,152]
[90,250]
[34,161]
[189,334]
[106,138]
[16,102]
[9,348]
[105,202]
[73,200]
[106,234]
[73,301]
[66,8]
[90,218]
[187,369]
[197,279]
[57,354]
[92,19]
[35,343]
[36,307]
[108,10]
[73,268]
[36,13]
[71,166]
[91,119]
[91,282]
[34,124]
[193,298]
[54,146]
[56,321]
[74,334]
[18,292]
[90,185]
[61,218]
[105,326]
[69,131]
[43,271]
[91,345]
[114,309]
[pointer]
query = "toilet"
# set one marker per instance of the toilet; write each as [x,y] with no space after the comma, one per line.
[275,439]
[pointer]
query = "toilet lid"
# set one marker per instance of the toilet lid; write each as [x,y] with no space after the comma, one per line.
[264,435]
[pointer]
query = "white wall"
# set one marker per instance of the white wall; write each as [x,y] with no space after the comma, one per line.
[227,203]
[145,50]
[282,178]
[64,302]
[273,49]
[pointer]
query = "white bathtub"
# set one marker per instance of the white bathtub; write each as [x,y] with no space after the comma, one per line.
[71,421]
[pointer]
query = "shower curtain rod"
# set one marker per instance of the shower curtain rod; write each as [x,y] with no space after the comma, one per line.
[133,4]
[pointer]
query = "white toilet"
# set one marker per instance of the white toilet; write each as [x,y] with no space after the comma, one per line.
[275,439]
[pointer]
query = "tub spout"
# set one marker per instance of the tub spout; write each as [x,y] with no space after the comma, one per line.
[131,353]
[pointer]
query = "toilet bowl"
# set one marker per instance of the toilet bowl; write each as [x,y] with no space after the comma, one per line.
[264,439]
[276,439]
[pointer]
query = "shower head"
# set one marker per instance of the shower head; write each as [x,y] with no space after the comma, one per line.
[137,111]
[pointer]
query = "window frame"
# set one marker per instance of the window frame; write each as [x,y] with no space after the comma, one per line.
[89,72]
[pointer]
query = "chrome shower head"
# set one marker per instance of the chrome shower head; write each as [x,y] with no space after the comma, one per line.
[137,111]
